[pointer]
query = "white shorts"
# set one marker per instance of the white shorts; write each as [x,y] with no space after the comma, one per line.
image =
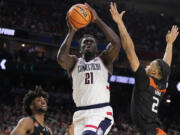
[99,120]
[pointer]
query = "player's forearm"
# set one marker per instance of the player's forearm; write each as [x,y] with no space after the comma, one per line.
[65,47]
[126,40]
[168,54]
[17,132]
[109,33]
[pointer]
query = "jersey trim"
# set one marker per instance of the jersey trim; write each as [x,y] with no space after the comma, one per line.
[105,65]
[160,132]
[153,84]
[92,106]
[107,87]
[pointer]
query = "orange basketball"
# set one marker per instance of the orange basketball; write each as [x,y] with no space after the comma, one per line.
[79,16]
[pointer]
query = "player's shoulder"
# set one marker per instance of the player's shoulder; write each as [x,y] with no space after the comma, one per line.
[26,122]
[140,70]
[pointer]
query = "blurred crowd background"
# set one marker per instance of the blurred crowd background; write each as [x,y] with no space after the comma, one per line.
[28,58]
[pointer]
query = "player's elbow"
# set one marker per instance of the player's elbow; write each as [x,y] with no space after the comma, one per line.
[14,132]
[117,42]
[60,58]
[61,61]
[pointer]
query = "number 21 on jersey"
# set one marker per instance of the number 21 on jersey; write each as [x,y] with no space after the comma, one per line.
[89,78]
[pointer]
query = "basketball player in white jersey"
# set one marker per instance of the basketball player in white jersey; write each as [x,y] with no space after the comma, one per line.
[90,75]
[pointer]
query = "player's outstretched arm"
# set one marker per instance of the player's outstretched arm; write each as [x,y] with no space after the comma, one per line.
[23,126]
[170,38]
[113,48]
[66,60]
[126,40]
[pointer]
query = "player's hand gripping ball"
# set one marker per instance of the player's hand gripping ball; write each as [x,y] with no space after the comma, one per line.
[79,16]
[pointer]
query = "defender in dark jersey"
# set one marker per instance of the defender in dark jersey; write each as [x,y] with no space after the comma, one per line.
[150,83]
[35,106]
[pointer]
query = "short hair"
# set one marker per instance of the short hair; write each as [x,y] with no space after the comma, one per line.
[85,36]
[30,96]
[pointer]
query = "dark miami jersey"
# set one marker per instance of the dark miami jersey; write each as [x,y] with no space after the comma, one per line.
[145,101]
[38,129]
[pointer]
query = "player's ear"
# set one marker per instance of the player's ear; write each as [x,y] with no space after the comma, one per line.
[80,51]
[96,49]
[31,107]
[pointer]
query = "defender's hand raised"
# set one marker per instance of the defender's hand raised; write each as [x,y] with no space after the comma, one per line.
[172,35]
[117,17]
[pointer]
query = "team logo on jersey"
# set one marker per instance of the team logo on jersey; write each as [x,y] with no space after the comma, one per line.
[36,124]
[89,67]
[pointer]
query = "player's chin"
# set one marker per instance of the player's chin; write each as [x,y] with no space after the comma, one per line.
[44,109]
[87,52]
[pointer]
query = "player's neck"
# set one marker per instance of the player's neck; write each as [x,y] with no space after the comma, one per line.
[40,118]
[88,58]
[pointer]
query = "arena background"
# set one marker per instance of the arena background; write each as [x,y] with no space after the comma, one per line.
[30,34]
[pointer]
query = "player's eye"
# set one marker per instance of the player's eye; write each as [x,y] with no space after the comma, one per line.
[85,41]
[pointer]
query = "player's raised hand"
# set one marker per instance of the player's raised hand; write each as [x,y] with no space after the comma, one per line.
[70,26]
[172,35]
[117,17]
[93,12]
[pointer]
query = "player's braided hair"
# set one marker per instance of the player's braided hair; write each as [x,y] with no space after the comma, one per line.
[30,96]
[164,71]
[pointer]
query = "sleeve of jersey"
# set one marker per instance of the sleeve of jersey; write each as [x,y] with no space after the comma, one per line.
[141,78]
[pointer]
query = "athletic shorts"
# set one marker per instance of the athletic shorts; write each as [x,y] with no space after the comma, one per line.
[96,121]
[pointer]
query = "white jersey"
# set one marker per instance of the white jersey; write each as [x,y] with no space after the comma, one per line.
[90,82]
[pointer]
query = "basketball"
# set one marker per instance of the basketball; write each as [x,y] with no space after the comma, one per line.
[79,16]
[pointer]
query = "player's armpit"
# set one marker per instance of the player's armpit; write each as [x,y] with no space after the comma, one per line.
[141,78]
[23,126]
[111,52]
[133,59]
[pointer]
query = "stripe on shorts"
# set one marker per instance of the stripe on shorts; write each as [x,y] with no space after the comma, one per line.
[109,113]
[103,126]
[91,126]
